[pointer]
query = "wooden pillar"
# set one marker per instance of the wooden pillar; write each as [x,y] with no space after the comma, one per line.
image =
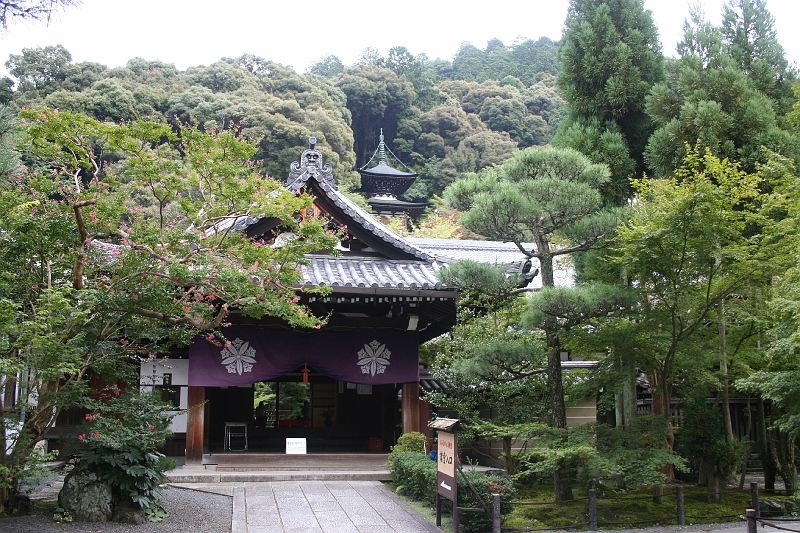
[411,407]
[195,426]
[424,418]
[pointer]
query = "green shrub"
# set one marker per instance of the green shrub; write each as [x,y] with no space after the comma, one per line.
[415,476]
[413,441]
[119,442]
[485,485]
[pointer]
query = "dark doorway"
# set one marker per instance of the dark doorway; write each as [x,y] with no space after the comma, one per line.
[333,416]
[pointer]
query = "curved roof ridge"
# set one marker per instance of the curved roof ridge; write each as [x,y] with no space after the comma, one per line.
[373,225]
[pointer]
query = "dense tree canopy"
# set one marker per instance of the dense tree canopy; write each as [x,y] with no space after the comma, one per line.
[610,57]
[709,97]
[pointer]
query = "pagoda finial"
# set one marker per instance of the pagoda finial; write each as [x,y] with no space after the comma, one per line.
[381,150]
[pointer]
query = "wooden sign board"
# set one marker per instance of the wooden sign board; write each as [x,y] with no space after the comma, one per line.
[447,459]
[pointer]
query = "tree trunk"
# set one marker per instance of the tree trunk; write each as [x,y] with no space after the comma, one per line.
[508,452]
[716,481]
[723,369]
[562,480]
[782,451]
[748,432]
[662,407]
[763,444]
[629,399]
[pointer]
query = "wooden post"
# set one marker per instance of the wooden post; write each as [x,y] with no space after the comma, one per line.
[438,510]
[410,406]
[195,426]
[592,510]
[754,496]
[681,511]
[752,526]
[455,517]
[496,513]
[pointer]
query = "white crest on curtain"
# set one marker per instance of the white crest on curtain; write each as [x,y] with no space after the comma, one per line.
[238,357]
[374,358]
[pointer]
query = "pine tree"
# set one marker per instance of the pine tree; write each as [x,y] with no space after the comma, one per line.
[537,198]
[750,39]
[710,98]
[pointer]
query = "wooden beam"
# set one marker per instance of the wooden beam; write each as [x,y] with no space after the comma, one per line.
[410,405]
[195,426]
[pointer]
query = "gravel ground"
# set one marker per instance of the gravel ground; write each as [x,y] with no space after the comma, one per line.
[189,510]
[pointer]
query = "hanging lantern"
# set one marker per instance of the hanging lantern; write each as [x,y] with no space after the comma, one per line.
[305,373]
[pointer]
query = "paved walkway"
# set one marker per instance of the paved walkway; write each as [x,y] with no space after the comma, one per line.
[316,507]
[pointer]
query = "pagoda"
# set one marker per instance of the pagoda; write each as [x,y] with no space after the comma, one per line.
[383,184]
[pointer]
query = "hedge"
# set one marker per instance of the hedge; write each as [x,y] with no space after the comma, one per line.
[415,475]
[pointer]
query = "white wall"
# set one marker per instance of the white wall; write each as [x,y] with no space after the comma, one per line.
[151,373]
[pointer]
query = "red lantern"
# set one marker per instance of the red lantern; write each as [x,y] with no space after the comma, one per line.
[305,373]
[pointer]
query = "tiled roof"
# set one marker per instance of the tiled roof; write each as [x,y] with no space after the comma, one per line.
[231,225]
[501,253]
[366,272]
[382,169]
[493,252]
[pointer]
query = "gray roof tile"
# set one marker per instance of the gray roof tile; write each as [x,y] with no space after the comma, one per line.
[370,272]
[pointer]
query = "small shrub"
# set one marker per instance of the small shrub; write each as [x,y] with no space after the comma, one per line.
[411,442]
[485,485]
[415,475]
[156,513]
[62,515]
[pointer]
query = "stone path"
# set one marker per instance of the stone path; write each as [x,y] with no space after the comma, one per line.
[316,507]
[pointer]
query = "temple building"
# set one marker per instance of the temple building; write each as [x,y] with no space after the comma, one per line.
[354,385]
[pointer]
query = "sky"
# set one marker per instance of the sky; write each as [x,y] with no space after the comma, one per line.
[200,32]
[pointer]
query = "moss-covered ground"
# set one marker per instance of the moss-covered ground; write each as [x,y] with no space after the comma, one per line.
[619,510]
[534,509]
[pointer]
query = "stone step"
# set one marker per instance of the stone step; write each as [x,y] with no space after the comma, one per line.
[197,475]
[295,462]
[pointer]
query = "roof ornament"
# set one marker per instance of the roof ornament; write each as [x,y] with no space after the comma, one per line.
[382,150]
[310,166]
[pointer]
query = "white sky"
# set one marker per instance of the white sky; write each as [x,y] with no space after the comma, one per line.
[297,33]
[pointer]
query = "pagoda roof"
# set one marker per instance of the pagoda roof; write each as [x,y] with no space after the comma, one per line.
[384,170]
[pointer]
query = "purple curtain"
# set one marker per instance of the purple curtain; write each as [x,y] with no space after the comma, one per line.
[373,357]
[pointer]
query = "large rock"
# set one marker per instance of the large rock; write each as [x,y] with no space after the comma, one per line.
[85,496]
[778,507]
[129,512]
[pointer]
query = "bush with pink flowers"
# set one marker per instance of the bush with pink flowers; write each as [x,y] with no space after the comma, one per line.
[119,441]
